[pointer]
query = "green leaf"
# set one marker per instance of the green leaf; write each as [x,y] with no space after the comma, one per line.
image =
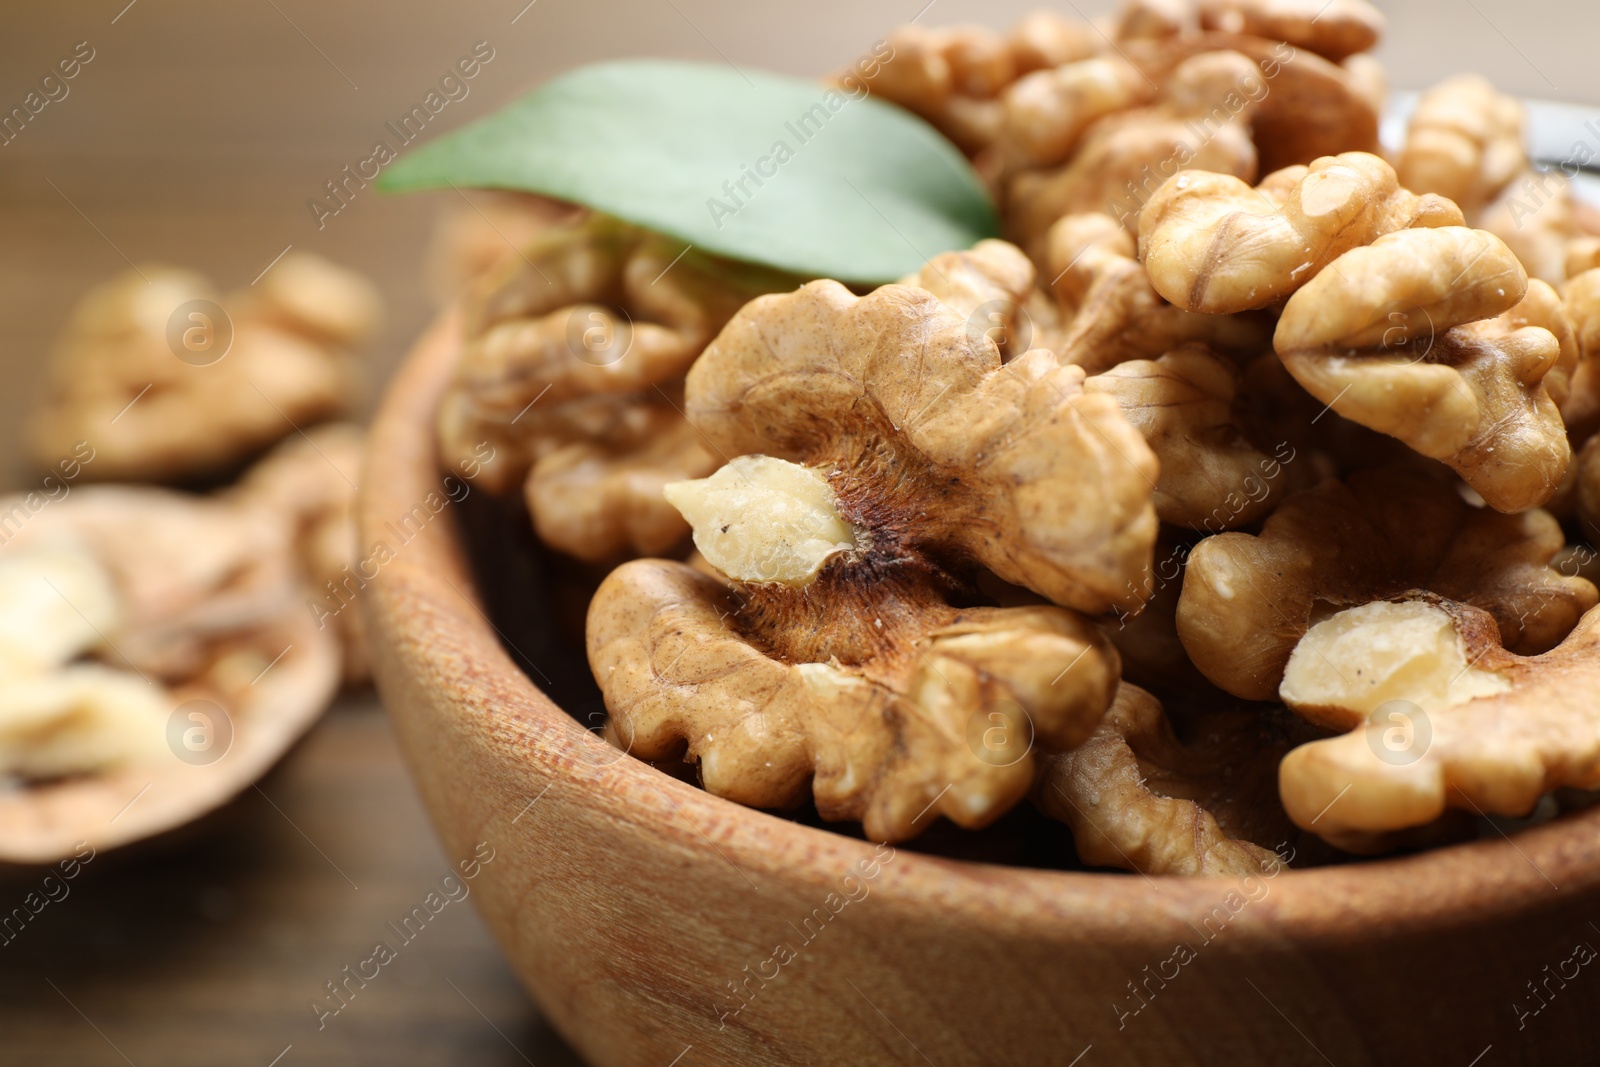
[860,191]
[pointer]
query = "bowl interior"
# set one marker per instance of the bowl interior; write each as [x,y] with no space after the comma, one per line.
[504,615]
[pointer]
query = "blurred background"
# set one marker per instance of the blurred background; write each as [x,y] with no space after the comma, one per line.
[195,137]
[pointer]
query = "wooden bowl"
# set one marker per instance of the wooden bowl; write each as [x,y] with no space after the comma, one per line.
[657,925]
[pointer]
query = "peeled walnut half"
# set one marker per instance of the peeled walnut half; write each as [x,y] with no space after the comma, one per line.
[883,455]
[1410,336]
[1440,716]
[1138,798]
[570,382]
[1248,600]
[169,380]
[1213,244]
[1109,311]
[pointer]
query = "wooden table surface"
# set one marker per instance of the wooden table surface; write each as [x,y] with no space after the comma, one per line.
[195,136]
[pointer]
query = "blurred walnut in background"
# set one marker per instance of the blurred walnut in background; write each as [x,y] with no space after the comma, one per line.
[168,381]
[1465,141]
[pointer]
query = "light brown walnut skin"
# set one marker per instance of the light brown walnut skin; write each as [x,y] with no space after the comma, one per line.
[599,496]
[987,284]
[1312,108]
[1589,489]
[1213,244]
[1046,113]
[942,460]
[1135,797]
[684,663]
[1339,29]
[927,437]
[1111,314]
[1494,755]
[952,76]
[1535,215]
[1464,142]
[1248,599]
[1583,254]
[1123,156]
[1183,403]
[1043,39]
[520,328]
[1390,336]
[1136,20]
[1542,306]
[1581,303]
[595,499]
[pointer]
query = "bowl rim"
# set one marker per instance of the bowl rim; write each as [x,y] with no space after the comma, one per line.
[426,607]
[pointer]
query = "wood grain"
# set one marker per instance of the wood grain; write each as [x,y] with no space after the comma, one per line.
[209,948]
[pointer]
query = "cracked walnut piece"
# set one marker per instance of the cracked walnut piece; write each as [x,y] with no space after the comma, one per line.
[1137,798]
[207,597]
[138,376]
[1248,600]
[883,455]
[1013,467]
[938,719]
[59,717]
[571,378]
[310,482]
[1402,337]
[1447,719]
[1213,244]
